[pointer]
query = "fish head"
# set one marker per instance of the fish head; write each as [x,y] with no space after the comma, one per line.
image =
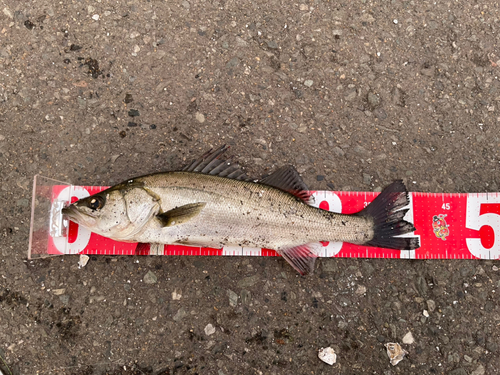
[119,212]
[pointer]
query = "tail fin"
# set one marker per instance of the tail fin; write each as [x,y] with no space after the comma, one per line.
[387,215]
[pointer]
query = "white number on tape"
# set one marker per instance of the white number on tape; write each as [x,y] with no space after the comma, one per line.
[474,220]
[331,202]
[83,235]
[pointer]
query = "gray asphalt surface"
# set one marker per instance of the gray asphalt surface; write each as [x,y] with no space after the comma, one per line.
[354,94]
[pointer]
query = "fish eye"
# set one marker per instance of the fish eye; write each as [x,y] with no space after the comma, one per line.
[96,203]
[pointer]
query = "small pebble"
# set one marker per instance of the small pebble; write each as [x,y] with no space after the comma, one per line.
[395,352]
[128,98]
[395,22]
[367,179]
[8,12]
[84,259]
[176,296]
[233,298]
[408,338]
[209,330]
[480,370]
[272,44]
[361,290]
[150,278]
[308,82]
[114,157]
[200,117]
[181,314]
[95,17]
[426,313]
[327,355]
[29,25]
[373,100]
[240,42]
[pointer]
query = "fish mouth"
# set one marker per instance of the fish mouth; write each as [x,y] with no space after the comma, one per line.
[75,215]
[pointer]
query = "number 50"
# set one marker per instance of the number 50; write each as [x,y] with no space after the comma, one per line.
[474,220]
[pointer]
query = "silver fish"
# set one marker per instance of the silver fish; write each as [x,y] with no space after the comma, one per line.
[212,203]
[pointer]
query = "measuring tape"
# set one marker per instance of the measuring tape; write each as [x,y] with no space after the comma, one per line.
[450,226]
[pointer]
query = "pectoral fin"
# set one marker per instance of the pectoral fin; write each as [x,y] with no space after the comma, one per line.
[302,257]
[180,215]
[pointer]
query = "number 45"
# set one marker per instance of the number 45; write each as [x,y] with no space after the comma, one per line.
[474,220]
[445,206]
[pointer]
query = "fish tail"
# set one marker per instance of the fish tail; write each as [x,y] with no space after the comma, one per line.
[387,215]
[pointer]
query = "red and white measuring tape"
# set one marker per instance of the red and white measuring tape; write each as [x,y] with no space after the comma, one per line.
[450,226]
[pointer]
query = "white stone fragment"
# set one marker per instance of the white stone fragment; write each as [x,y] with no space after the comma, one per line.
[8,12]
[408,338]
[360,290]
[84,259]
[395,352]
[327,355]
[209,330]
[176,296]
[200,117]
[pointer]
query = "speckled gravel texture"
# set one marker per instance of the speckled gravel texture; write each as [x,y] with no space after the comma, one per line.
[354,94]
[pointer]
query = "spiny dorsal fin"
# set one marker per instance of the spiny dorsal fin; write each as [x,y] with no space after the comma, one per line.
[288,179]
[211,163]
[180,215]
[302,257]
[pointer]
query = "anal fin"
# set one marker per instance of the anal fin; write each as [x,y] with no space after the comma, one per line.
[142,249]
[149,249]
[303,257]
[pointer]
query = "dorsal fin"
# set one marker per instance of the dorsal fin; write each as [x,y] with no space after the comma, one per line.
[211,163]
[288,179]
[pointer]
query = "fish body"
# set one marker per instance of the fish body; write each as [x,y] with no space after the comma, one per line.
[204,206]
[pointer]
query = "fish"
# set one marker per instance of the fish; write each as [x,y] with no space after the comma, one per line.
[212,203]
